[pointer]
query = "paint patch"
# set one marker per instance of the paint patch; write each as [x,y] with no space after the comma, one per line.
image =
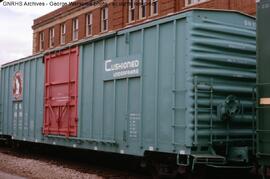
[265,101]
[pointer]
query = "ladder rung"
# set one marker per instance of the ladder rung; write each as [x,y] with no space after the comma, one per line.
[203,91]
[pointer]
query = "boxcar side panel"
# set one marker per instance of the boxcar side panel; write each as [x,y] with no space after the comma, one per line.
[137,112]
[23,99]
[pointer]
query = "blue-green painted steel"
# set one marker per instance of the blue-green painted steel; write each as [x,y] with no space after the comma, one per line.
[188,65]
[23,119]
[191,63]
[263,82]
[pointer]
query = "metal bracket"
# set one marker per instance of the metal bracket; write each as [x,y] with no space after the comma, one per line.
[185,157]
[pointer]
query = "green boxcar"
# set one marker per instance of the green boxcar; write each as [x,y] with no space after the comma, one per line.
[263,82]
[22,118]
[183,84]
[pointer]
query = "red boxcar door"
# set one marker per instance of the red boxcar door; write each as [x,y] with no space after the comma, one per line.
[61,93]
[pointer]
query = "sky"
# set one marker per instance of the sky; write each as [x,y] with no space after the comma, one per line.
[15,28]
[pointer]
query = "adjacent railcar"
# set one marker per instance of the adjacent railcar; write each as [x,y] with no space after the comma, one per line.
[181,85]
[263,83]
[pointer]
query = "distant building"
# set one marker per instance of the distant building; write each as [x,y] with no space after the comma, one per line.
[88,18]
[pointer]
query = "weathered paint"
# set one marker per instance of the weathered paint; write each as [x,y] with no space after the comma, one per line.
[61,93]
[160,110]
[188,65]
[263,82]
[22,118]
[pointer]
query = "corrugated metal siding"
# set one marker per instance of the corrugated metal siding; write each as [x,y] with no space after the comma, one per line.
[222,57]
[22,119]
